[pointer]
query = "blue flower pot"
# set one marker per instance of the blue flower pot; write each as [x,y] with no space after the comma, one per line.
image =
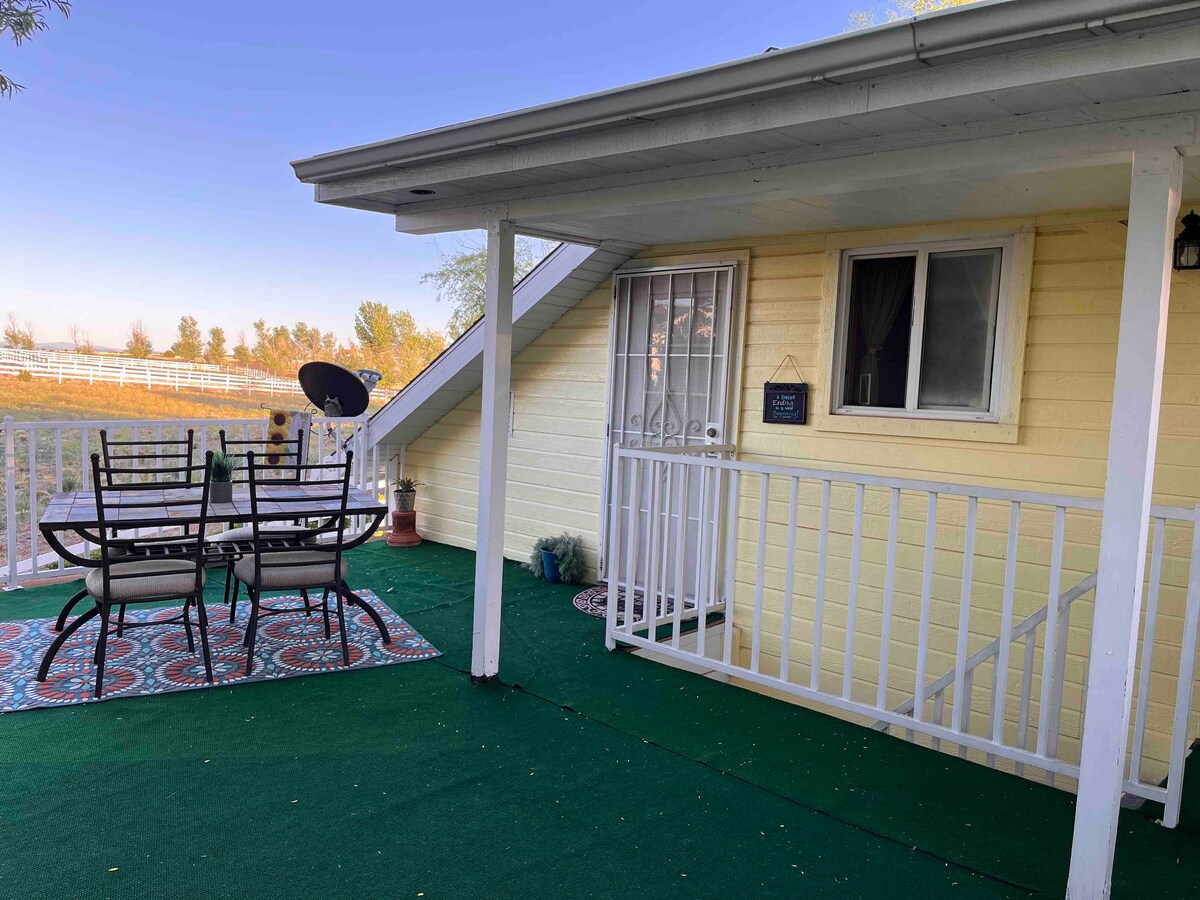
[550,567]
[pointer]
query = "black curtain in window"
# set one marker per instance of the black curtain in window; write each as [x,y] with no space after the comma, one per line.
[881,288]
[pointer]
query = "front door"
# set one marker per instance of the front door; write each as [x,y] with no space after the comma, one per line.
[669,378]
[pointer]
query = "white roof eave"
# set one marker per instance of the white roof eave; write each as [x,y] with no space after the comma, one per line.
[990,27]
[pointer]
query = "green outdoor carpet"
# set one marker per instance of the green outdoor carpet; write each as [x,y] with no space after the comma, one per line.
[583,774]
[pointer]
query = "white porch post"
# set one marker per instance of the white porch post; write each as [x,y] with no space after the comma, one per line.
[493,449]
[1133,435]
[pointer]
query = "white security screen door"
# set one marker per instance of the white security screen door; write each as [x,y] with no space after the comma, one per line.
[669,375]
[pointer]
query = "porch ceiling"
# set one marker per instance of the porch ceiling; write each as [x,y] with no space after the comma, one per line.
[1014,195]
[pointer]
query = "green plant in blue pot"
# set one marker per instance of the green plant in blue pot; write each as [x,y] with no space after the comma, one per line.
[558,559]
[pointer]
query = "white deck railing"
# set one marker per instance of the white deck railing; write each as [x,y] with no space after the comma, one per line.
[166,374]
[42,458]
[948,613]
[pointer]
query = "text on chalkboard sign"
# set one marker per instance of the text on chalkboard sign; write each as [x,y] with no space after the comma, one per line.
[785,403]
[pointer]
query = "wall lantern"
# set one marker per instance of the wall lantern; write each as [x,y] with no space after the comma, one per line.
[1187,245]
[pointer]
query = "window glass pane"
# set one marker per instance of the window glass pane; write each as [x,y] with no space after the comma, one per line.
[961,297]
[878,325]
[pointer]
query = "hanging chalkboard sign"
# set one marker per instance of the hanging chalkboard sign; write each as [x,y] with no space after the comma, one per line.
[785,403]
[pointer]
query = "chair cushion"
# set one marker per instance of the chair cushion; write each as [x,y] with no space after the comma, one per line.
[286,570]
[246,533]
[155,578]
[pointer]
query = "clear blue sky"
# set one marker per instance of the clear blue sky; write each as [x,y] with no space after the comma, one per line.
[145,167]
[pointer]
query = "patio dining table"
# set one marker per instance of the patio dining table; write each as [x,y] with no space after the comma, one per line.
[74,513]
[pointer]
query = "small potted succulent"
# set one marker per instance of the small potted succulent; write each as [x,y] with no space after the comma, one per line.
[558,559]
[220,488]
[406,494]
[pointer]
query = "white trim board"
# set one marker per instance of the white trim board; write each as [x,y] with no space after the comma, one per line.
[560,281]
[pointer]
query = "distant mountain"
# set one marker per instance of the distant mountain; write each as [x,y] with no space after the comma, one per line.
[67,345]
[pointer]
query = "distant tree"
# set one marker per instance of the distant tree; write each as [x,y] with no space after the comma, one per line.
[214,350]
[242,351]
[895,10]
[79,337]
[17,336]
[460,278]
[138,345]
[311,343]
[391,343]
[22,19]
[190,345]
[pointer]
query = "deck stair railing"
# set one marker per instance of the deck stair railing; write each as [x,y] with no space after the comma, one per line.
[41,458]
[1026,632]
[847,591]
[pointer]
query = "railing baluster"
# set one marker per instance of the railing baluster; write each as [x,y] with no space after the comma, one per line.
[31,450]
[707,527]
[1000,681]
[635,518]
[962,710]
[10,497]
[764,489]
[731,478]
[1143,694]
[819,602]
[926,598]
[789,578]
[1026,692]
[614,551]
[939,714]
[852,597]
[58,479]
[968,692]
[681,530]
[1046,742]
[1183,688]
[650,593]
[889,584]
[726,568]
[664,549]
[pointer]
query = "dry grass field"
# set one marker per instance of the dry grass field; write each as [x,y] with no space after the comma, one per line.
[44,400]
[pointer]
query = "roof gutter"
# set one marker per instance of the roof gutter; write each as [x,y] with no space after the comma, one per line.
[992,26]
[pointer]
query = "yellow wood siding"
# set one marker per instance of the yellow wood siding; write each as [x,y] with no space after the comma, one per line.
[556,462]
[556,452]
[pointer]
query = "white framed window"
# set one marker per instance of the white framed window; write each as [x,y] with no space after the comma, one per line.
[920,330]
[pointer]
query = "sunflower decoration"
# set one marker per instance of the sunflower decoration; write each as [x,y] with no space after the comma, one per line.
[279,430]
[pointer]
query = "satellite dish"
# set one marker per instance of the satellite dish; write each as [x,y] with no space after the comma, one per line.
[333,389]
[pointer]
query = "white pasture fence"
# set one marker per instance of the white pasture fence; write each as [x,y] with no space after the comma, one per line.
[151,373]
[42,458]
[951,614]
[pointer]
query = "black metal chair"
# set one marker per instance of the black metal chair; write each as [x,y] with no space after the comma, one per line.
[135,571]
[126,458]
[310,567]
[129,461]
[284,468]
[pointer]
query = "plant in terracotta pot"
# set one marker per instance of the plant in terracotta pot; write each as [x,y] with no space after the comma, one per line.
[558,559]
[405,492]
[224,466]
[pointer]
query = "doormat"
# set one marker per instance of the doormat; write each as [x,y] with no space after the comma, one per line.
[594,602]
